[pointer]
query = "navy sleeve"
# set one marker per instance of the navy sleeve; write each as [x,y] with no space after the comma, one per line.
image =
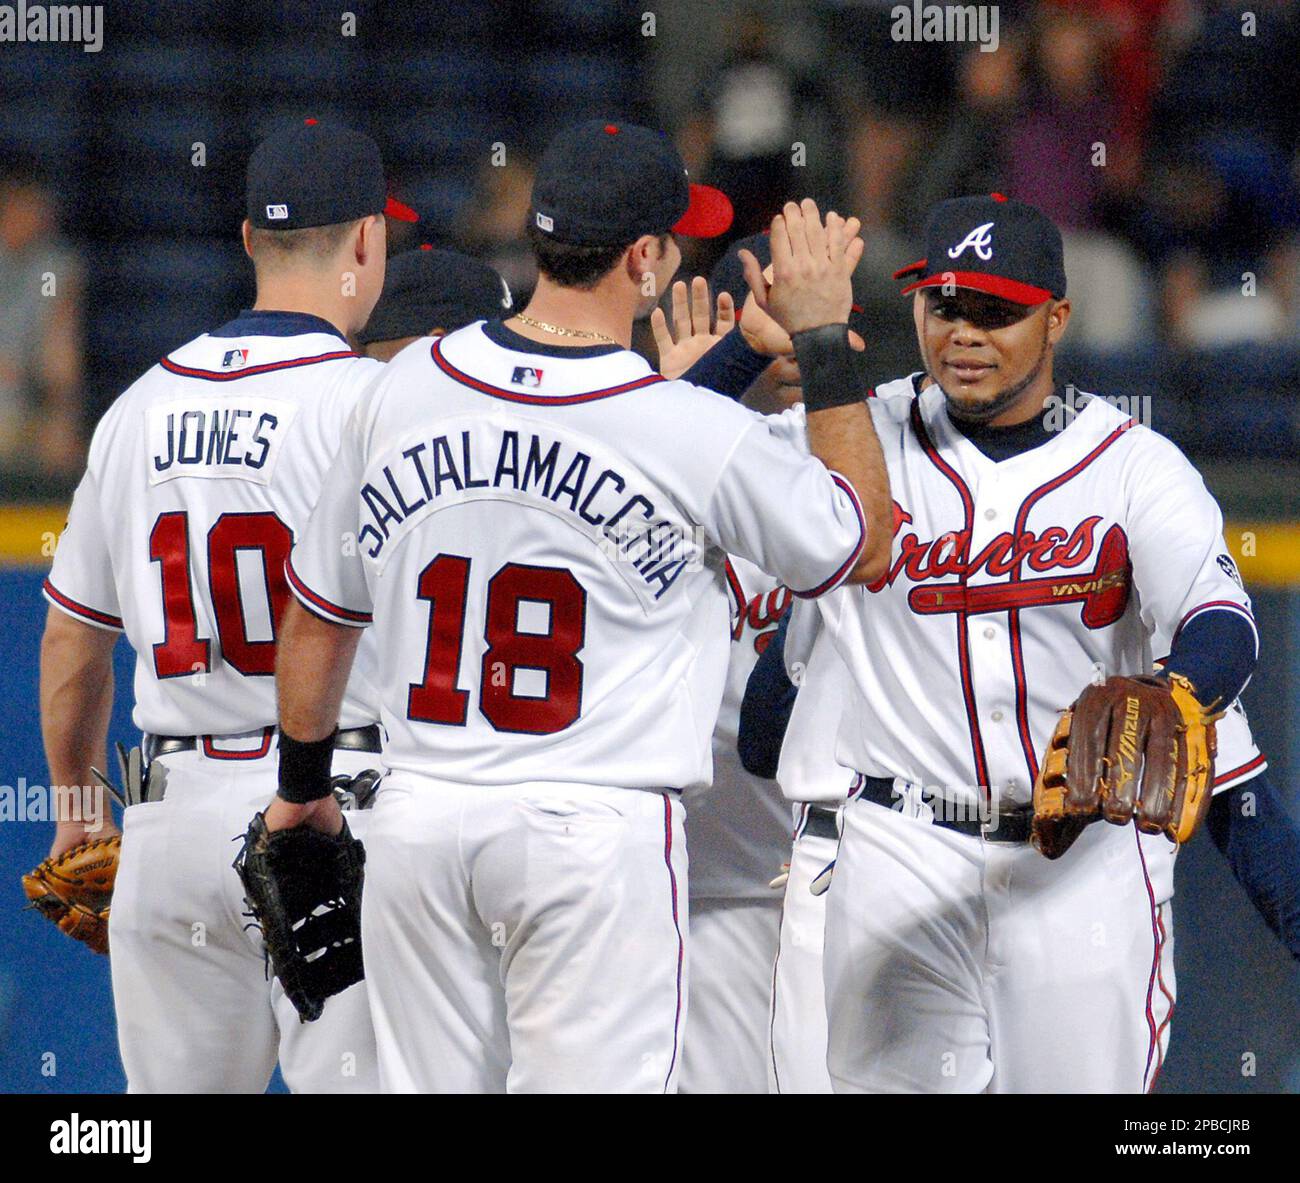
[765,709]
[730,367]
[1216,653]
[1261,841]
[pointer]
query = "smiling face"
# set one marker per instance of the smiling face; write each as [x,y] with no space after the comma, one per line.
[991,358]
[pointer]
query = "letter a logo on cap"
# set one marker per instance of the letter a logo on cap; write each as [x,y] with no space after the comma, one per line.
[981,238]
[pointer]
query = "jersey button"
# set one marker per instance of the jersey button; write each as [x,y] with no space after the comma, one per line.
[989,633]
[997,716]
[990,514]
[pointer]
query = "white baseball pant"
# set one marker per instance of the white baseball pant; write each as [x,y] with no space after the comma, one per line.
[954,964]
[196,1010]
[733,944]
[525,938]
[797,1063]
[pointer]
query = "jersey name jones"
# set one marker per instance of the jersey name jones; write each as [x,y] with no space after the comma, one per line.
[239,439]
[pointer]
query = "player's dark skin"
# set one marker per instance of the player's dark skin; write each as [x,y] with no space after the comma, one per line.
[991,358]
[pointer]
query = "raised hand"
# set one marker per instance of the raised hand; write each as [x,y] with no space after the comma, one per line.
[693,333]
[812,267]
[762,333]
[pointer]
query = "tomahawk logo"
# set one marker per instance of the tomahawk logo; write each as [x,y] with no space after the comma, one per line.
[88,1136]
[981,238]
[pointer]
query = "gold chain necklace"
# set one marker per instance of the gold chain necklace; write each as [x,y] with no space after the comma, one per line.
[559,332]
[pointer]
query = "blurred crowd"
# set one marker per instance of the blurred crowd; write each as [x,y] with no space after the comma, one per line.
[1161,135]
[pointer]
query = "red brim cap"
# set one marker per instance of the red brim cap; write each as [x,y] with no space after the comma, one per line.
[994,285]
[403,213]
[708,215]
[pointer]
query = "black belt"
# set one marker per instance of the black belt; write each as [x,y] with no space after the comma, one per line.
[821,822]
[354,739]
[1012,825]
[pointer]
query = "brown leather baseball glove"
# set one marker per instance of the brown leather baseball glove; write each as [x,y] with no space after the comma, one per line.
[1137,749]
[75,889]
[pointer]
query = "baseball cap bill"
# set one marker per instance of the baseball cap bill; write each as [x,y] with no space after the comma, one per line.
[606,184]
[318,173]
[992,244]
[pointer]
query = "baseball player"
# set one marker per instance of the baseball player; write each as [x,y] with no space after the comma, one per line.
[1035,555]
[797,722]
[1247,820]
[541,551]
[199,479]
[427,293]
[738,827]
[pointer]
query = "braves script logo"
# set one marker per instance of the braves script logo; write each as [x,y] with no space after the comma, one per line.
[981,238]
[762,614]
[1103,591]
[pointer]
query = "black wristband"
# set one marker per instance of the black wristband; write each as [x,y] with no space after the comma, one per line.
[305,768]
[830,369]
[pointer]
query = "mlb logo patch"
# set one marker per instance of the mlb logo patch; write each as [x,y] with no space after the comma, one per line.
[234,359]
[545,223]
[277,213]
[526,376]
[1229,568]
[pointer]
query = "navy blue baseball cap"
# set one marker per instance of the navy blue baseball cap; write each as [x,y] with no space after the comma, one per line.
[606,184]
[430,289]
[992,244]
[317,173]
[728,275]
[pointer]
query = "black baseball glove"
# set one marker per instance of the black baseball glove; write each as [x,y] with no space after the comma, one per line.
[303,889]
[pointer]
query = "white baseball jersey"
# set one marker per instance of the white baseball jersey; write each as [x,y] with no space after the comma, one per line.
[540,540]
[1239,758]
[1011,586]
[738,829]
[198,480]
[808,770]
